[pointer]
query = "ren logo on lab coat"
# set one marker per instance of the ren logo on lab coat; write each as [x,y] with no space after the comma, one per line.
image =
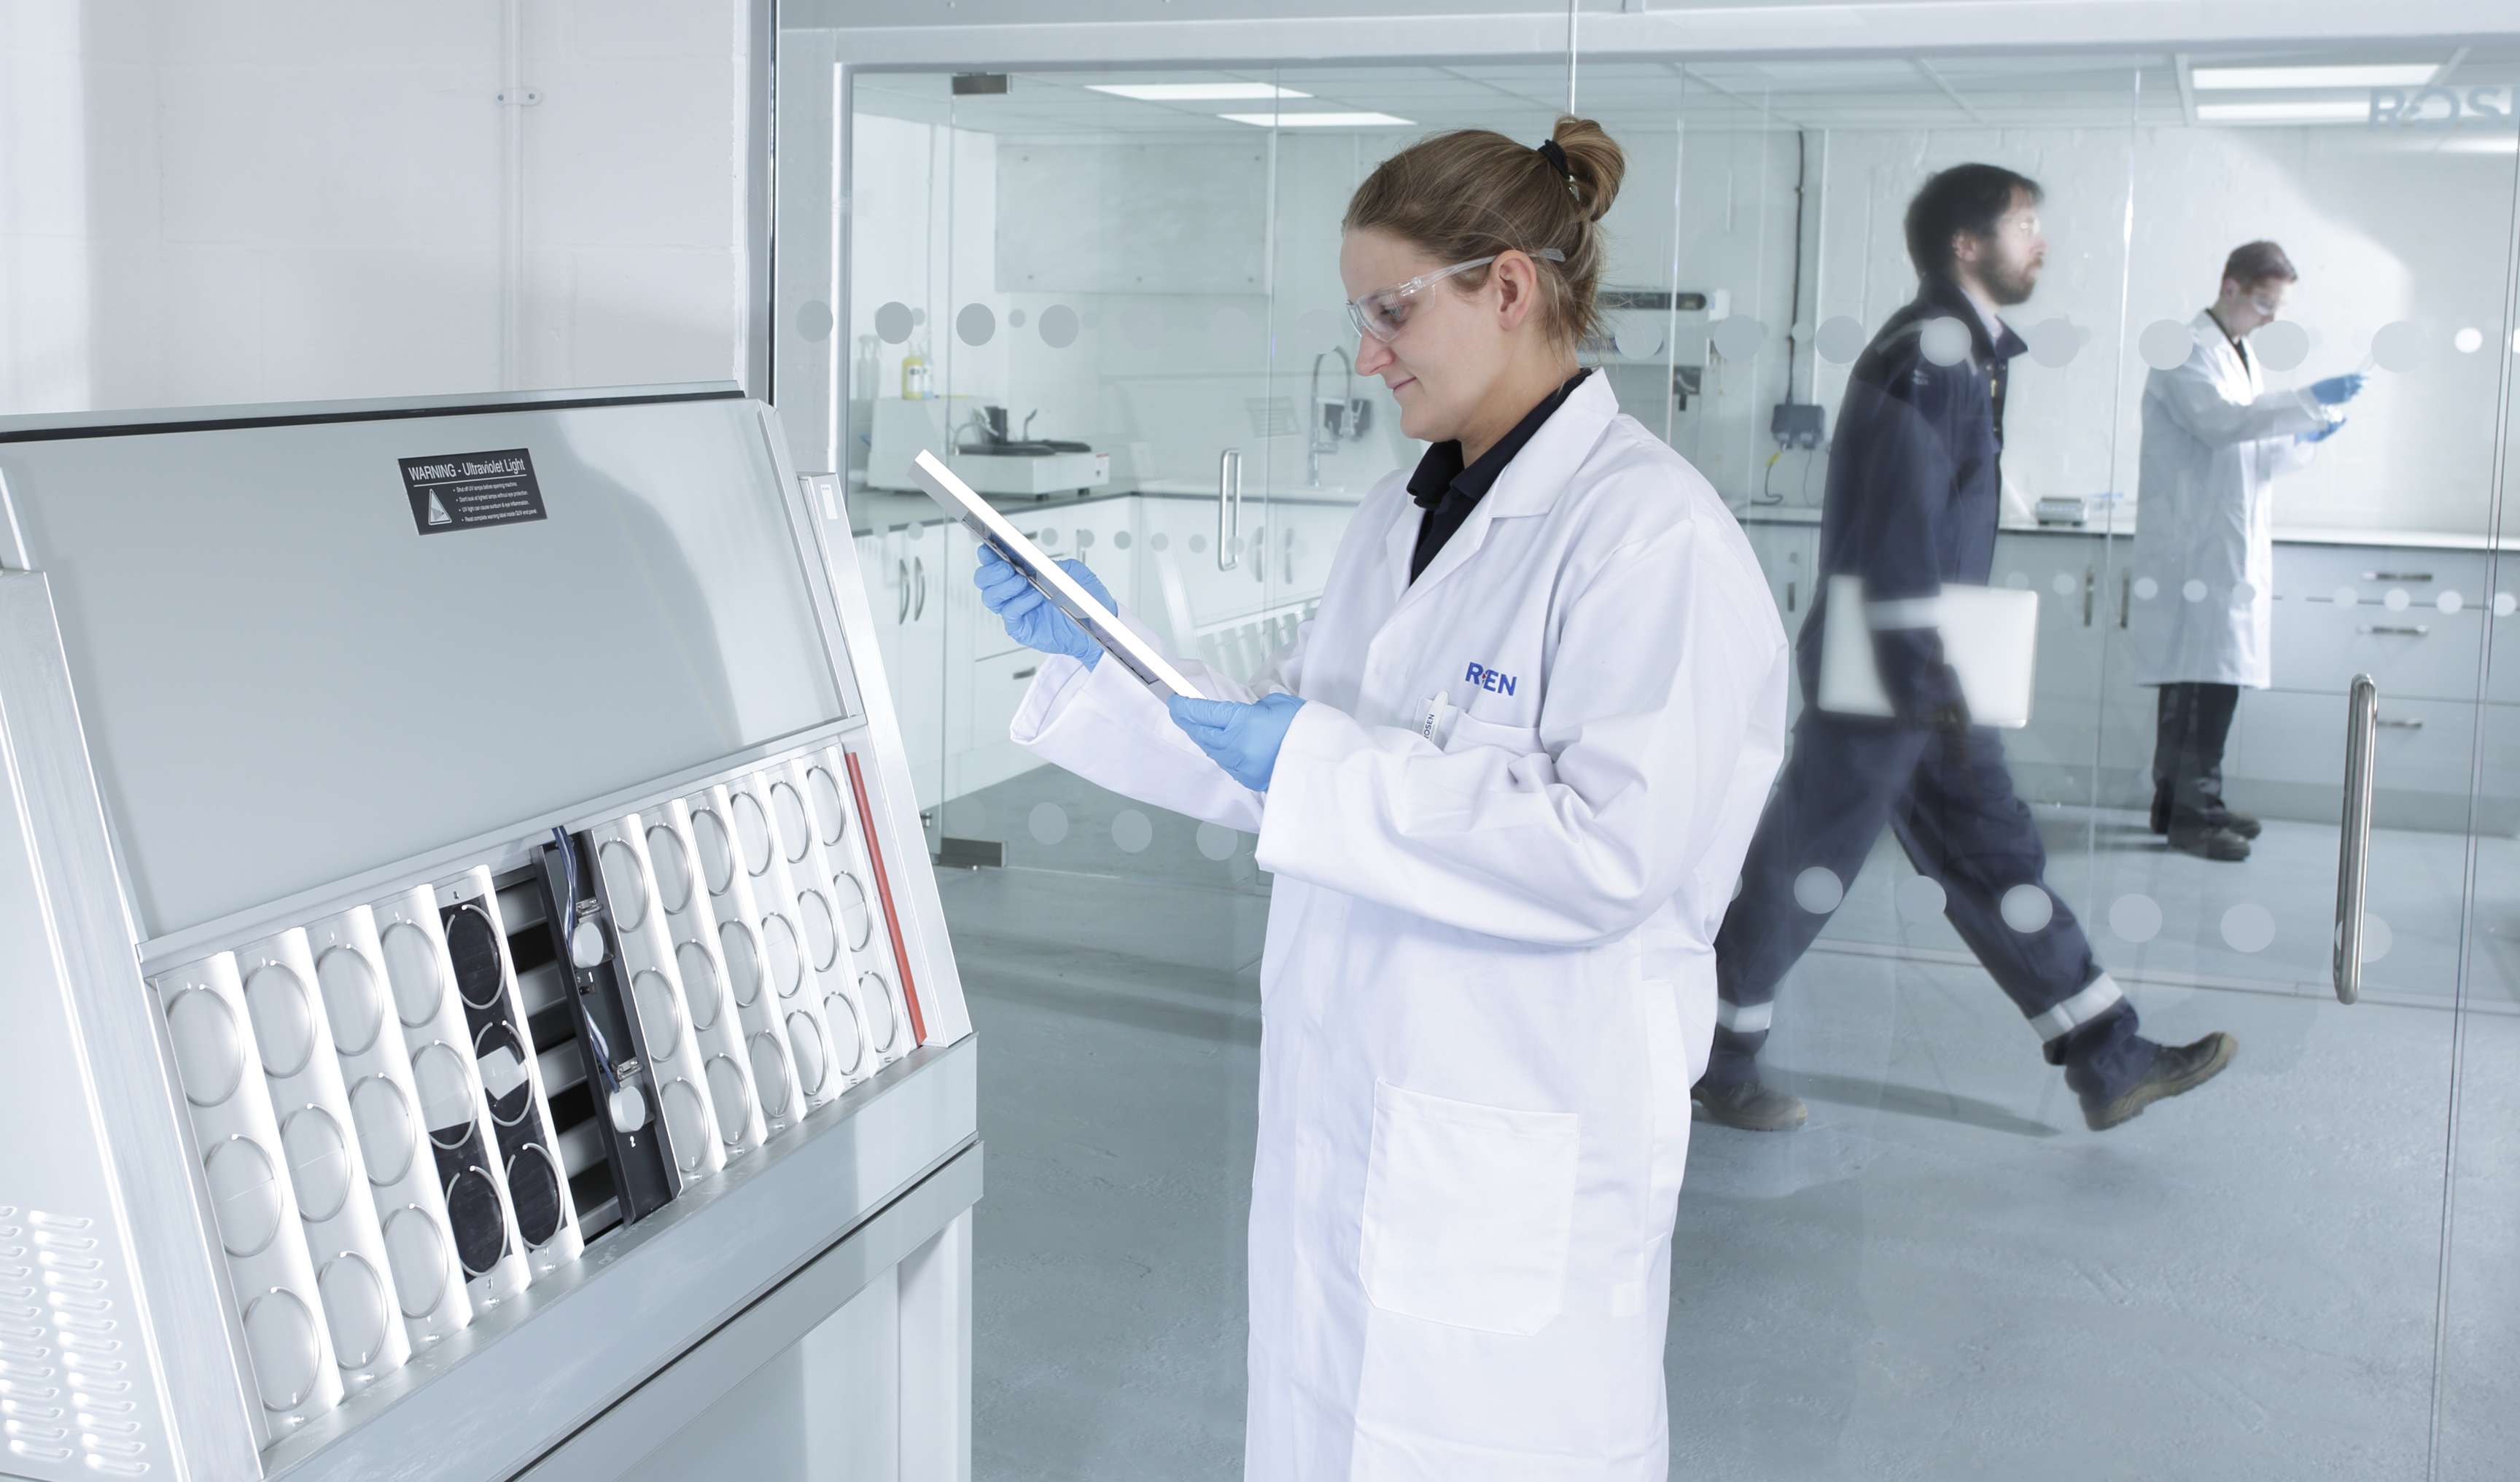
[1490,680]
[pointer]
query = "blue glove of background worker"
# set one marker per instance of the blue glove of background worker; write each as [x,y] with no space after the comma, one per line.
[1243,740]
[2324,433]
[1031,618]
[2337,389]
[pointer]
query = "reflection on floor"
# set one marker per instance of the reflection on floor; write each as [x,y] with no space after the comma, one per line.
[1944,1275]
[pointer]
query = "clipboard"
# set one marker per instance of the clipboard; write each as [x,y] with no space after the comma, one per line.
[1100,623]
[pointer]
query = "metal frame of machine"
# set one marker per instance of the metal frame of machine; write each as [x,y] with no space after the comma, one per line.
[125,1350]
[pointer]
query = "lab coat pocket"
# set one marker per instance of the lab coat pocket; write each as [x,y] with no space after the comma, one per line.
[1470,731]
[1468,1211]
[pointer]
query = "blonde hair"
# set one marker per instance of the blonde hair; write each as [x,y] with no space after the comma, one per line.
[1473,193]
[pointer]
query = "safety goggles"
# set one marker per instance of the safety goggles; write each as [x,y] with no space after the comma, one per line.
[1383,313]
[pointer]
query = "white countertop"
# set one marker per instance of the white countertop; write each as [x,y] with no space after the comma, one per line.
[2120,525]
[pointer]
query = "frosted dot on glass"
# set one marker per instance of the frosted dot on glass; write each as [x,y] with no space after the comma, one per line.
[1639,337]
[1840,340]
[2248,927]
[1159,541]
[2397,601]
[892,322]
[1217,842]
[2164,345]
[1014,319]
[2055,343]
[2017,580]
[2345,597]
[1049,822]
[917,317]
[2136,918]
[2399,346]
[1818,891]
[2450,601]
[1198,544]
[1741,338]
[1058,326]
[2146,589]
[976,325]
[2468,340]
[1917,898]
[2062,583]
[1132,831]
[2194,590]
[1943,341]
[814,319]
[2246,591]
[2027,909]
[1122,539]
[2377,938]
[2281,347]
[2506,604]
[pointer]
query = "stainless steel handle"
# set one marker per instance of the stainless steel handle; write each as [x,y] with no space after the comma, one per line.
[2398,723]
[919,570]
[2401,630]
[2126,595]
[1237,504]
[2354,837]
[2091,584]
[1027,673]
[901,579]
[1790,594]
[2396,576]
[1260,548]
[1290,558]
[1229,499]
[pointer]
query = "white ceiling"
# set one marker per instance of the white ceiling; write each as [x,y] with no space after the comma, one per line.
[2081,89]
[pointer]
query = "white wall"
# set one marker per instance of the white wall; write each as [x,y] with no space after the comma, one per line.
[281,199]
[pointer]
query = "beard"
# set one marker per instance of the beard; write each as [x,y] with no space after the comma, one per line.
[2009,283]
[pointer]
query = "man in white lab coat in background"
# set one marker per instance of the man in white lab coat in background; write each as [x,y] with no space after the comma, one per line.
[2214,438]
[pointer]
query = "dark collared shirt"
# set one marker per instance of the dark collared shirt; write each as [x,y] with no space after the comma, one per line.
[1448,491]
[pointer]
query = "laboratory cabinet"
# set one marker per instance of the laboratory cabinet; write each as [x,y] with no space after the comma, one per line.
[472,951]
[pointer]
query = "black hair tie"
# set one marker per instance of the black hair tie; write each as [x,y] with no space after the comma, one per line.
[1557,157]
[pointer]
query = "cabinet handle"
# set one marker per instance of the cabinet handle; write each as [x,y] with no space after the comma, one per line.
[901,579]
[2126,595]
[2091,584]
[1260,546]
[1290,558]
[2402,630]
[1027,673]
[919,569]
[2398,723]
[2354,837]
[1790,594]
[2396,576]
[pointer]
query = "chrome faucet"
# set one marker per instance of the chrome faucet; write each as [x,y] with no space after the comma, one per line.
[1329,418]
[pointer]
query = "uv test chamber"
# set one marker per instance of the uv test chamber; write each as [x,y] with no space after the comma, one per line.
[476,1002]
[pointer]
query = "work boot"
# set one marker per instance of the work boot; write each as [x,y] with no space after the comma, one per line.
[2160,820]
[2214,843]
[2176,1070]
[1750,1105]
[2245,825]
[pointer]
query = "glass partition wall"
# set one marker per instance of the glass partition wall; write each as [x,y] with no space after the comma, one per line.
[1114,294]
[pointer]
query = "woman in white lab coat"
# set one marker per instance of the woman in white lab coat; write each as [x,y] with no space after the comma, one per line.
[2214,439]
[1504,781]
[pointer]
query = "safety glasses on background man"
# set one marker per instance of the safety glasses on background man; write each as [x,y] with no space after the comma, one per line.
[1382,314]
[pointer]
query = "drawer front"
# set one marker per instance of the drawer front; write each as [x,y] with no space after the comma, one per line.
[997,687]
[2374,572]
[2416,652]
[2424,744]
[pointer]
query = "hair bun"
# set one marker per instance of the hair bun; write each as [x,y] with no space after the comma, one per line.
[1595,159]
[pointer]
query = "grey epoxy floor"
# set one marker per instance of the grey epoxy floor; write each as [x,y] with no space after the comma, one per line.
[1943,1276]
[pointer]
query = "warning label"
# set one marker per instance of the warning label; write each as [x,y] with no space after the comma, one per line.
[465,492]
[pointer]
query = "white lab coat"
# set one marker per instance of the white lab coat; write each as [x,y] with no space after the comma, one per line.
[2214,437]
[1489,981]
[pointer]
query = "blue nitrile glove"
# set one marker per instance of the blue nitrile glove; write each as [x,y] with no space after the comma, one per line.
[2336,391]
[1243,740]
[1031,618]
[2324,433]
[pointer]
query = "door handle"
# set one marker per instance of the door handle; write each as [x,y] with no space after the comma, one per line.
[2091,584]
[919,569]
[901,580]
[1229,502]
[2354,837]
[2126,595]
[2402,630]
